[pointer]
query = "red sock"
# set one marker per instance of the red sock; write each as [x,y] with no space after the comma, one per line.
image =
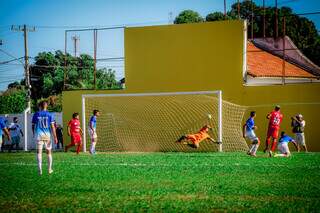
[78,149]
[274,144]
[267,143]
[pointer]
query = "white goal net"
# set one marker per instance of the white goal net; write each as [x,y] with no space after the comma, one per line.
[146,122]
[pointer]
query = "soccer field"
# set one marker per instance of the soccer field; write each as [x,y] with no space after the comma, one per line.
[161,182]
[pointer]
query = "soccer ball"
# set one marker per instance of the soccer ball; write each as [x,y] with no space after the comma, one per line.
[209,116]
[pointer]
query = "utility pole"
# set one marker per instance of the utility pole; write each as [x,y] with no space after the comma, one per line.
[225,9]
[76,40]
[264,19]
[276,19]
[238,7]
[95,41]
[252,14]
[170,18]
[25,31]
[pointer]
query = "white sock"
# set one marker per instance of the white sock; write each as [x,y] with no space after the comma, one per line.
[49,162]
[93,146]
[39,159]
[255,148]
[251,148]
[280,155]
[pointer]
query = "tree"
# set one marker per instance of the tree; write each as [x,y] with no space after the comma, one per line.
[188,16]
[49,74]
[301,30]
[218,16]
[13,101]
[15,85]
[106,78]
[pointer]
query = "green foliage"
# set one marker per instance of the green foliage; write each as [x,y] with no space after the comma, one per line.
[54,103]
[13,101]
[49,74]
[15,85]
[106,78]
[301,30]
[216,16]
[161,182]
[79,74]
[188,16]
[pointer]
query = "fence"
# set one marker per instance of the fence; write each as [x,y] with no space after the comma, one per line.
[28,144]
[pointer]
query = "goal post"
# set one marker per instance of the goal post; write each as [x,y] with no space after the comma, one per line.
[153,121]
[220,119]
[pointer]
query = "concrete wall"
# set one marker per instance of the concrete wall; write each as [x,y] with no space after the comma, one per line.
[30,142]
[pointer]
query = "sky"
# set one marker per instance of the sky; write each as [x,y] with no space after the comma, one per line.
[51,19]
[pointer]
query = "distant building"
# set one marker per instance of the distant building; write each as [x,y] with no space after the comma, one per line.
[265,63]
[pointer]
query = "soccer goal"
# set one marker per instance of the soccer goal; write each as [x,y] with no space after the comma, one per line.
[145,122]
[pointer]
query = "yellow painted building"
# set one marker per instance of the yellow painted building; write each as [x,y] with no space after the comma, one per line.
[206,56]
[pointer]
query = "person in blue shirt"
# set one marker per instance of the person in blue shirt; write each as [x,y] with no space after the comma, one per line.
[283,145]
[93,131]
[3,129]
[43,128]
[248,132]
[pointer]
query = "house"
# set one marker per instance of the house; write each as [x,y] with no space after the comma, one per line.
[265,64]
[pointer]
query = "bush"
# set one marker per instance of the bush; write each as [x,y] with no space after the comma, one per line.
[13,101]
[54,103]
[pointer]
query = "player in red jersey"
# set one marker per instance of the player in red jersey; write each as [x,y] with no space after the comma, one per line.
[75,132]
[275,119]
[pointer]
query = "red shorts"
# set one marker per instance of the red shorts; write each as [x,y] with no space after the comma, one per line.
[273,132]
[75,139]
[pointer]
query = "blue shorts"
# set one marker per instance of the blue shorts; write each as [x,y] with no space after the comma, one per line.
[15,140]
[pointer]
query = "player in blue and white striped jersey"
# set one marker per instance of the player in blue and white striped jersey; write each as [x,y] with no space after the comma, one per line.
[43,128]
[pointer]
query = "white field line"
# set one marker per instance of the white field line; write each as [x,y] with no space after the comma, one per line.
[154,165]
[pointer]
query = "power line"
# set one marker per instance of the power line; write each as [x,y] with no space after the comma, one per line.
[5,26]
[13,76]
[62,66]
[287,2]
[10,80]
[9,54]
[99,26]
[6,62]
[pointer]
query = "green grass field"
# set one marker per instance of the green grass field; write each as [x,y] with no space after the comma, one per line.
[161,182]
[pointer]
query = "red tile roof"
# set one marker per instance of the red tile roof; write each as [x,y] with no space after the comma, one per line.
[263,64]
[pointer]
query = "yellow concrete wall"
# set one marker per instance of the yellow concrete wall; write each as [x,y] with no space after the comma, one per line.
[206,56]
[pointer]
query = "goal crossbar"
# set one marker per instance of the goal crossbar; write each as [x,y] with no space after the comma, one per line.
[217,92]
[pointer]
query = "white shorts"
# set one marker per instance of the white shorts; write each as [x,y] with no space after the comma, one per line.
[283,148]
[46,143]
[93,134]
[299,138]
[251,136]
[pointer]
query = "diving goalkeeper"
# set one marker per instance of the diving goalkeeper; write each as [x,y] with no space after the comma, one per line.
[194,140]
